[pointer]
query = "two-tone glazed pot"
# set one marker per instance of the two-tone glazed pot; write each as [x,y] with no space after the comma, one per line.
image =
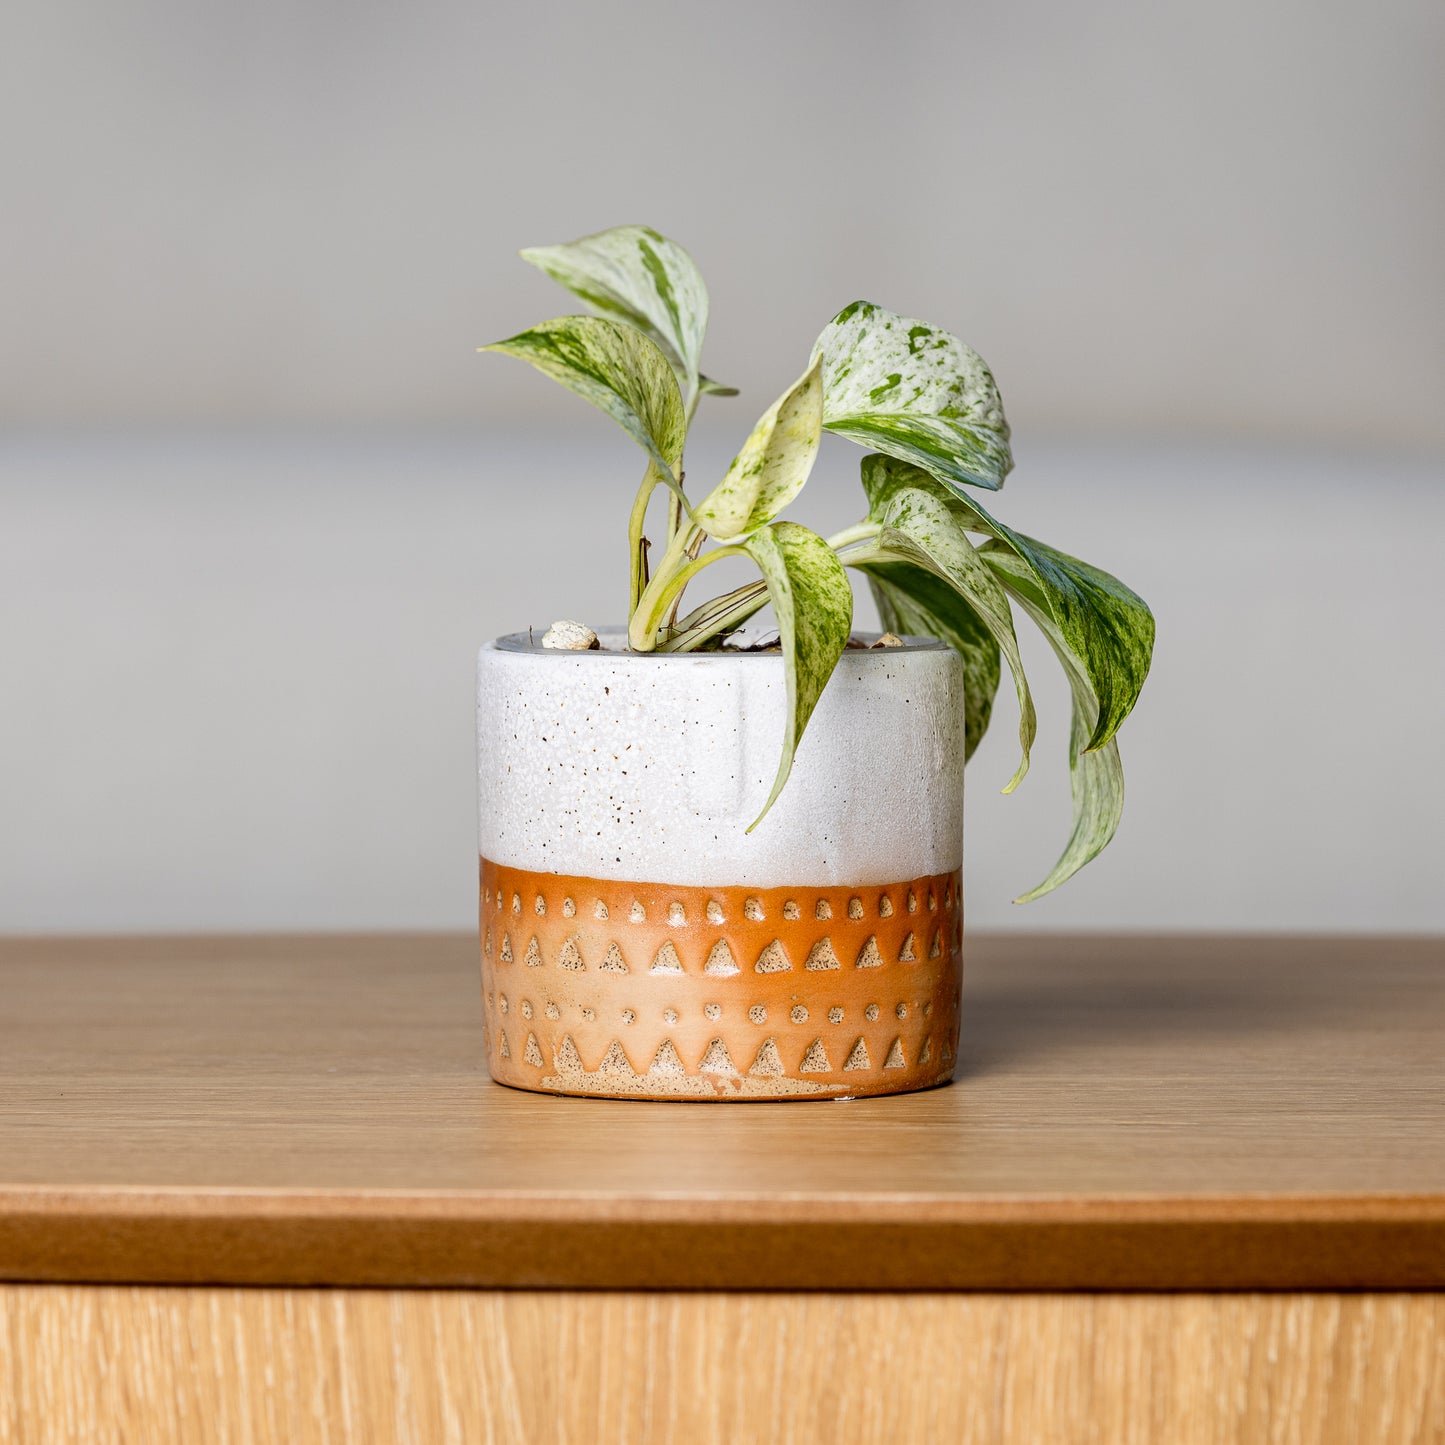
[638,942]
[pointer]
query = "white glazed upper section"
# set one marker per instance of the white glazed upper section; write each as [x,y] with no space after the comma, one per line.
[649,767]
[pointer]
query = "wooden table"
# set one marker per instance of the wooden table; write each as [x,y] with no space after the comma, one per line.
[1185,1189]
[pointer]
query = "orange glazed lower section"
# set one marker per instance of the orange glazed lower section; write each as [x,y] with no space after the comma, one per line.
[643,990]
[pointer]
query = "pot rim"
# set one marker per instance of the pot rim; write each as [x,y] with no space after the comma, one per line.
[528,644]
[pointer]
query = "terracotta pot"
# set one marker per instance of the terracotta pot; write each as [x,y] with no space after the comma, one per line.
[638,942]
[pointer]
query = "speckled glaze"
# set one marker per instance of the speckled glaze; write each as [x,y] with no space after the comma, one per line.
[619,883]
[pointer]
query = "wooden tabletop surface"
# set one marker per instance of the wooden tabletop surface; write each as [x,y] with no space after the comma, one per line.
[1136,1112]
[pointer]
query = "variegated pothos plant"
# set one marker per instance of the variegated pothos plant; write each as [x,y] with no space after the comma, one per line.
[928,407]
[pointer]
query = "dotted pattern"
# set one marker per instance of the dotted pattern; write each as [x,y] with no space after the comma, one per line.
[639,990]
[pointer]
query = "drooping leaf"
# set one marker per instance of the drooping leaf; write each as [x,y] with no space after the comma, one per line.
[914,392]
[926,527]
[633,274]
[619,371]
[708,387]
[1107,628]
[913,602]
[773,465]
[813,604]
[1096,775]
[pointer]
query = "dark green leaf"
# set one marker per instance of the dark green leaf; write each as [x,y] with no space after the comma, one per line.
[1106,627]
[913,602]
[1096,776]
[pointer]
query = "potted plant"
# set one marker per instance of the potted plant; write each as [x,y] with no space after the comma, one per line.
[716,868]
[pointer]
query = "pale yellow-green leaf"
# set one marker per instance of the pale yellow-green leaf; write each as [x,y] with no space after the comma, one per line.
[772,466]
[813,604]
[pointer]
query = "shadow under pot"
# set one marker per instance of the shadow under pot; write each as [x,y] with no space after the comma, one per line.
[638,942]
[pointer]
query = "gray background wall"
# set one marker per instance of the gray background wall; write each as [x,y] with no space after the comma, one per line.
[259,498]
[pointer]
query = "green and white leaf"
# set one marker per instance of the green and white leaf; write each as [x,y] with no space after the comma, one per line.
[708,387]
[914,392]
[813,604]
[926,527]
[1107,628]
[633,274]
[619,371]
[1096,774]
[773,465]
[915,602]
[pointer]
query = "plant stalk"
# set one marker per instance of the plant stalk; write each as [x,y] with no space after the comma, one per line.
[721,614]
[677,568]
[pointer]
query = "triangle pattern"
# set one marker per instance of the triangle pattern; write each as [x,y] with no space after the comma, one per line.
[720,962]
[858,1059]
[568,1059]
[505,1049]
[935,948]
[487,943]
[868,955]
[947,1049]
[667,1064]
[822,956]
[717,1060]
[616,1063]
[906,953]
[614,962]
[815,1061]
[767,1065]
[772,959]
[926,1052]
[506,954]
[895,1059]
[532,1053]
[533,957]
[571,956]
[666,959]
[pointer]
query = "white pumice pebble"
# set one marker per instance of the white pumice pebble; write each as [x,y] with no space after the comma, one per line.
[570,637]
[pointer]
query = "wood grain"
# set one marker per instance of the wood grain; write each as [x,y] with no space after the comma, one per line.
[250,1366]
[1130,1113]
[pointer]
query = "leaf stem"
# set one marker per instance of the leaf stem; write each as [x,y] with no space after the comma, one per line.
[859,532]
[674,502]
[677,568]
[636,542]
[721,614]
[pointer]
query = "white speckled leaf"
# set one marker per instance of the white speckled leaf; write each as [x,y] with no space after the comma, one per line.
[633,274]
[813,604]
[1096,777]
[773,465]
[925,527]
[619,371]
[915,392]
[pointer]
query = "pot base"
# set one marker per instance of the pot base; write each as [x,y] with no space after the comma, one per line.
[649,991]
